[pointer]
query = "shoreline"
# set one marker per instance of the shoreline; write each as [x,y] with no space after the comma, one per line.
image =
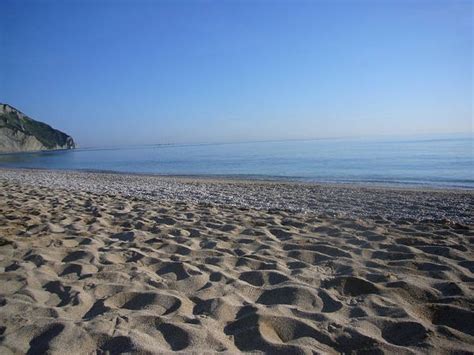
[277,180]
[349,200]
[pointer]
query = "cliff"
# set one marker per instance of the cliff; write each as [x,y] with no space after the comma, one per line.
[19,133]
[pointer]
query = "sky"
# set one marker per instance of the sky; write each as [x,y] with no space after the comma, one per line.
[145,72]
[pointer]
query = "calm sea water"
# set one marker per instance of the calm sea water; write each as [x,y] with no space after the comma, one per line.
[434,161]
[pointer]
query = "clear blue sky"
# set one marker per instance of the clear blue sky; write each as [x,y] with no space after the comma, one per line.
[110,72]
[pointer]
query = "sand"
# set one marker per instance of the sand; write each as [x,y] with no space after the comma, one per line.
[120,263]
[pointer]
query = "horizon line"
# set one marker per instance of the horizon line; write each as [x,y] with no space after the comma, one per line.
[276,140]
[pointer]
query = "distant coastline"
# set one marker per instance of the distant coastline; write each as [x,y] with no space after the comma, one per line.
[20,133]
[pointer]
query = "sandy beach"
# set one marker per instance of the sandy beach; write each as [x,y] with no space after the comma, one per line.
[94,262]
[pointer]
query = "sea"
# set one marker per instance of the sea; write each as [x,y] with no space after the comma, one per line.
[437,161]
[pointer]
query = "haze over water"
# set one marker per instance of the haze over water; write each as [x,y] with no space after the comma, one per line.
[445,161]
